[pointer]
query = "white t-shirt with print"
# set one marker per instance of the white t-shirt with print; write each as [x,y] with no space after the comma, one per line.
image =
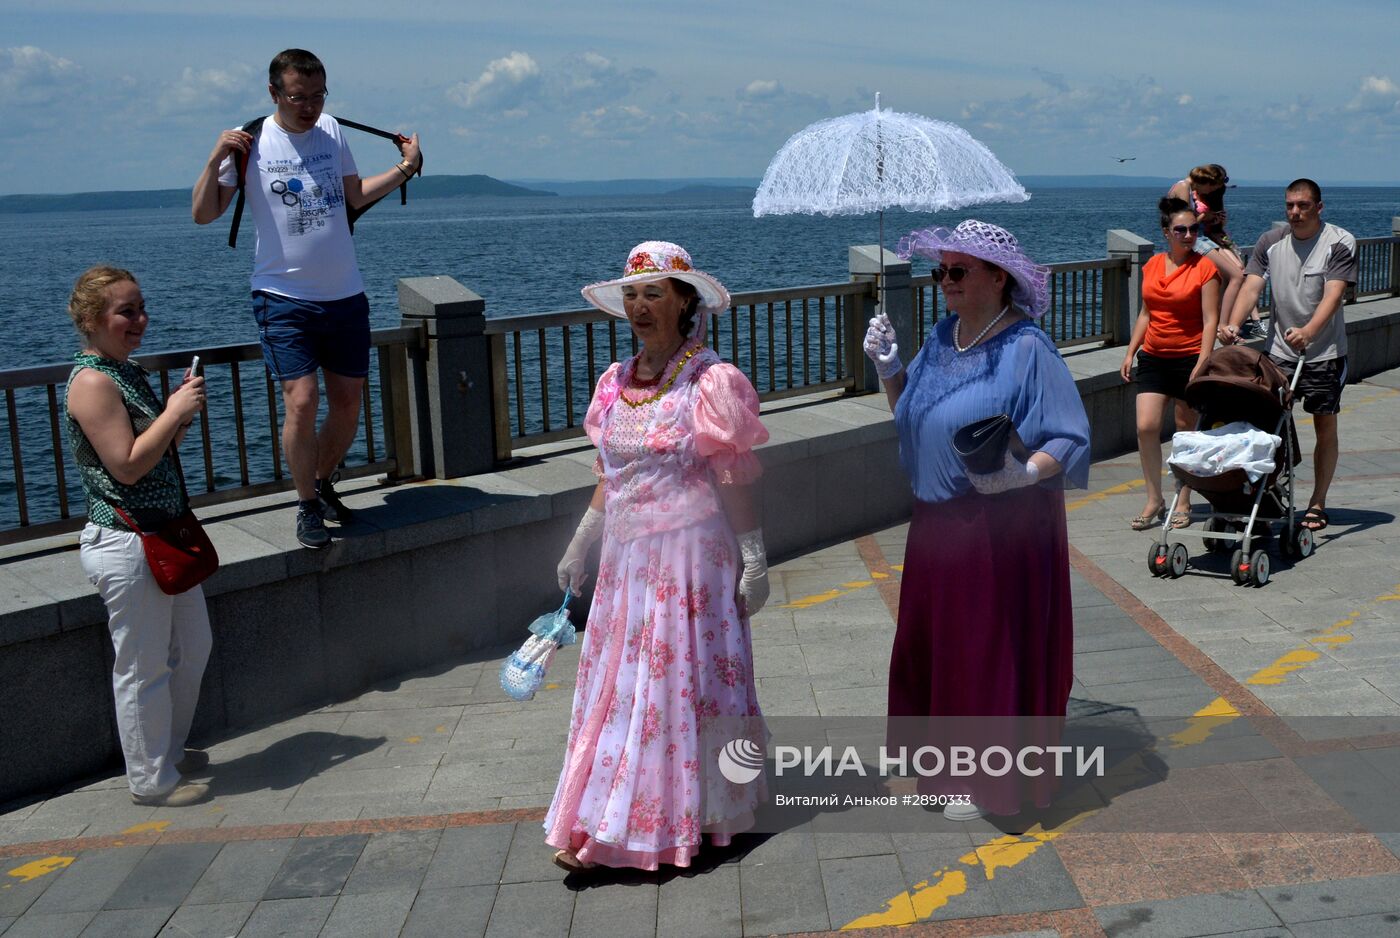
[296,196]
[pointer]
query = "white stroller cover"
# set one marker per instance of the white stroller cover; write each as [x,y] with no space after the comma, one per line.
[1237,445]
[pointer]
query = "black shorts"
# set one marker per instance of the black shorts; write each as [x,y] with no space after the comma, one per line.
[1320,385]
[1157,375]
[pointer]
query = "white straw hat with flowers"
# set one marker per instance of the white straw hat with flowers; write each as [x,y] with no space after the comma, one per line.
[657,260]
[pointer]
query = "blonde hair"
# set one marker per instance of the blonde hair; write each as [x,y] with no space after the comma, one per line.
[1209,174]
[89,296]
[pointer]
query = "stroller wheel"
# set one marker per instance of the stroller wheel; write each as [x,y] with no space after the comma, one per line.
[1179,556]
[1215,544]
[1158,562]
[1259,567]
[1239,567]
[1303,543]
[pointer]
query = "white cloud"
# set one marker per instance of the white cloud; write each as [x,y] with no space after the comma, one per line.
[29,72]
[1183,100]
[503,83]
[210,90]
[760,88]
[1374,84]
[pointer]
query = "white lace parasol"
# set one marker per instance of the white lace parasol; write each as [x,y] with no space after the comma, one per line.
[874,160]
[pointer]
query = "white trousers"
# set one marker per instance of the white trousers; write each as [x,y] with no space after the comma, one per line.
[162,645]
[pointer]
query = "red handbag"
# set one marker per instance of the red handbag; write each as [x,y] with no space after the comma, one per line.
[180,554]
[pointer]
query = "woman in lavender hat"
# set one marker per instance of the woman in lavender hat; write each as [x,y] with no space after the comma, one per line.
[985,623]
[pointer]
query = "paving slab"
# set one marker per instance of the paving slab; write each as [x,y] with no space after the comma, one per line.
[379,914]
[164,876]
[317,866]
[1215,914]
[460,911]
[216,920]
[280,917]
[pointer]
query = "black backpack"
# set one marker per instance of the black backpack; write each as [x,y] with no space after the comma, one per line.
[240,162]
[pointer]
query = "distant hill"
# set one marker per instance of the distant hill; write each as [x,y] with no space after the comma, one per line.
[636,186]
[440,187]
[712,190]
[429,187]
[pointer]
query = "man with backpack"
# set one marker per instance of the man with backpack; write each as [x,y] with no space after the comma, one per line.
[303,188]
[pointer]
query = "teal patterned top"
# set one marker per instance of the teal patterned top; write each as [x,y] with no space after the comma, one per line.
[158,496]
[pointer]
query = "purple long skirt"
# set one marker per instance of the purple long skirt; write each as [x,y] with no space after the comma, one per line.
[986,631]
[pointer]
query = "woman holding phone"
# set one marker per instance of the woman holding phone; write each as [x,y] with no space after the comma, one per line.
[123,440]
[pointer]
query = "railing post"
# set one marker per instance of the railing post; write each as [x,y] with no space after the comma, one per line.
[450,392]
[1395,256]
[1123,244]
[892,297]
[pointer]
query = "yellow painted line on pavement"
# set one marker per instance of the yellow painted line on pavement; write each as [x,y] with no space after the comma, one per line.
[36,868]
[845,589]
[1006,852]
[147,827]
[945,884]
[1121,488]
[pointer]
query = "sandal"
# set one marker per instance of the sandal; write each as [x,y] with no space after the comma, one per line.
[1314,519]
[1181,519]
[1148,519]
[566,860]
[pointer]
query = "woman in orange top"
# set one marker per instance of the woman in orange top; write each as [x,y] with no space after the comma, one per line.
[1172,339]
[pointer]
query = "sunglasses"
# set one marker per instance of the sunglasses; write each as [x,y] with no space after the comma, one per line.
[954,273]
[1182,231]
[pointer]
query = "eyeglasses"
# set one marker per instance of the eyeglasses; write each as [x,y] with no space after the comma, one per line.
[317,97]
[1182,231]
[954,273]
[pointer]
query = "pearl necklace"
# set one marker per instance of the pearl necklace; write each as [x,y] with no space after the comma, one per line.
[988,328]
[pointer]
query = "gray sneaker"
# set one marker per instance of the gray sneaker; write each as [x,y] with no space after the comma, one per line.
[1253,329]
[311,530]
[332,508]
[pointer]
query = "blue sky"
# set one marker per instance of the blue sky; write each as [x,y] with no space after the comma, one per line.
[96,99]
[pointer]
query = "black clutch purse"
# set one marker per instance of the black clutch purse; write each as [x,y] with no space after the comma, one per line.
[983,445]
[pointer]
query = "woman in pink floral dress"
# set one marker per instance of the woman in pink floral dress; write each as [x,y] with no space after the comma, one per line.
[665,676]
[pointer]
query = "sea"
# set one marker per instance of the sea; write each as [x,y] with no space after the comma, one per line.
[524,255]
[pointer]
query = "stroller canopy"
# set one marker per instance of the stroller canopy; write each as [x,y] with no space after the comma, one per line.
[1239,383]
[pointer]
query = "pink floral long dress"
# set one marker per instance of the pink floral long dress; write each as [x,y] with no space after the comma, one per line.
[666,666]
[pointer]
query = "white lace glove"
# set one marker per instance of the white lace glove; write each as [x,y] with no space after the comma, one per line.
[753,584]
[882,349]
[1014,474]
[570,569]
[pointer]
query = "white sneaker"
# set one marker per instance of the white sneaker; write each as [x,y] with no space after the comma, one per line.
[963,812]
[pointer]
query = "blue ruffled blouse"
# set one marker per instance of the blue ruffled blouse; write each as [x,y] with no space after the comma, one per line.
[1019,372]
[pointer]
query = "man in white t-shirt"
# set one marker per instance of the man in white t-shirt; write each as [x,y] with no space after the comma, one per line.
[1308,265]
[308,297]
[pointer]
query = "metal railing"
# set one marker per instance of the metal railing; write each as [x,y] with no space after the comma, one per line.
[236,450]
[791,341]
[1086,302]
[1378,266]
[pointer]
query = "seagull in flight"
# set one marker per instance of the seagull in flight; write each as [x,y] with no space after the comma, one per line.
[1124,159]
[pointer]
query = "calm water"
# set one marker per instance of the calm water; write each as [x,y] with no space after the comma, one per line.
[532,255]
[523,255]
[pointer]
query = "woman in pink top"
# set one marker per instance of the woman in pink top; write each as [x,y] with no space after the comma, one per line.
[665,675]
[1203,190]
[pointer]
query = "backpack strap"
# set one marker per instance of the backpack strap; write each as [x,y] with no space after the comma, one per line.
[351,214]
[240,162]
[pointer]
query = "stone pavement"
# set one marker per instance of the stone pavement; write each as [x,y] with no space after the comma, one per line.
[415,808]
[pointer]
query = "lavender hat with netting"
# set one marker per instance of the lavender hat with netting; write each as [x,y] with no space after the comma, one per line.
[992,244]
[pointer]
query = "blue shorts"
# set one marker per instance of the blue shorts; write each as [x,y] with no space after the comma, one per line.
[299,336]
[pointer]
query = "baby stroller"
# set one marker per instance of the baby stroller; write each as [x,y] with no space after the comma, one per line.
[1240,384]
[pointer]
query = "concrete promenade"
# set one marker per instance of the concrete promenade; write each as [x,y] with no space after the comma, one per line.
[414,809]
